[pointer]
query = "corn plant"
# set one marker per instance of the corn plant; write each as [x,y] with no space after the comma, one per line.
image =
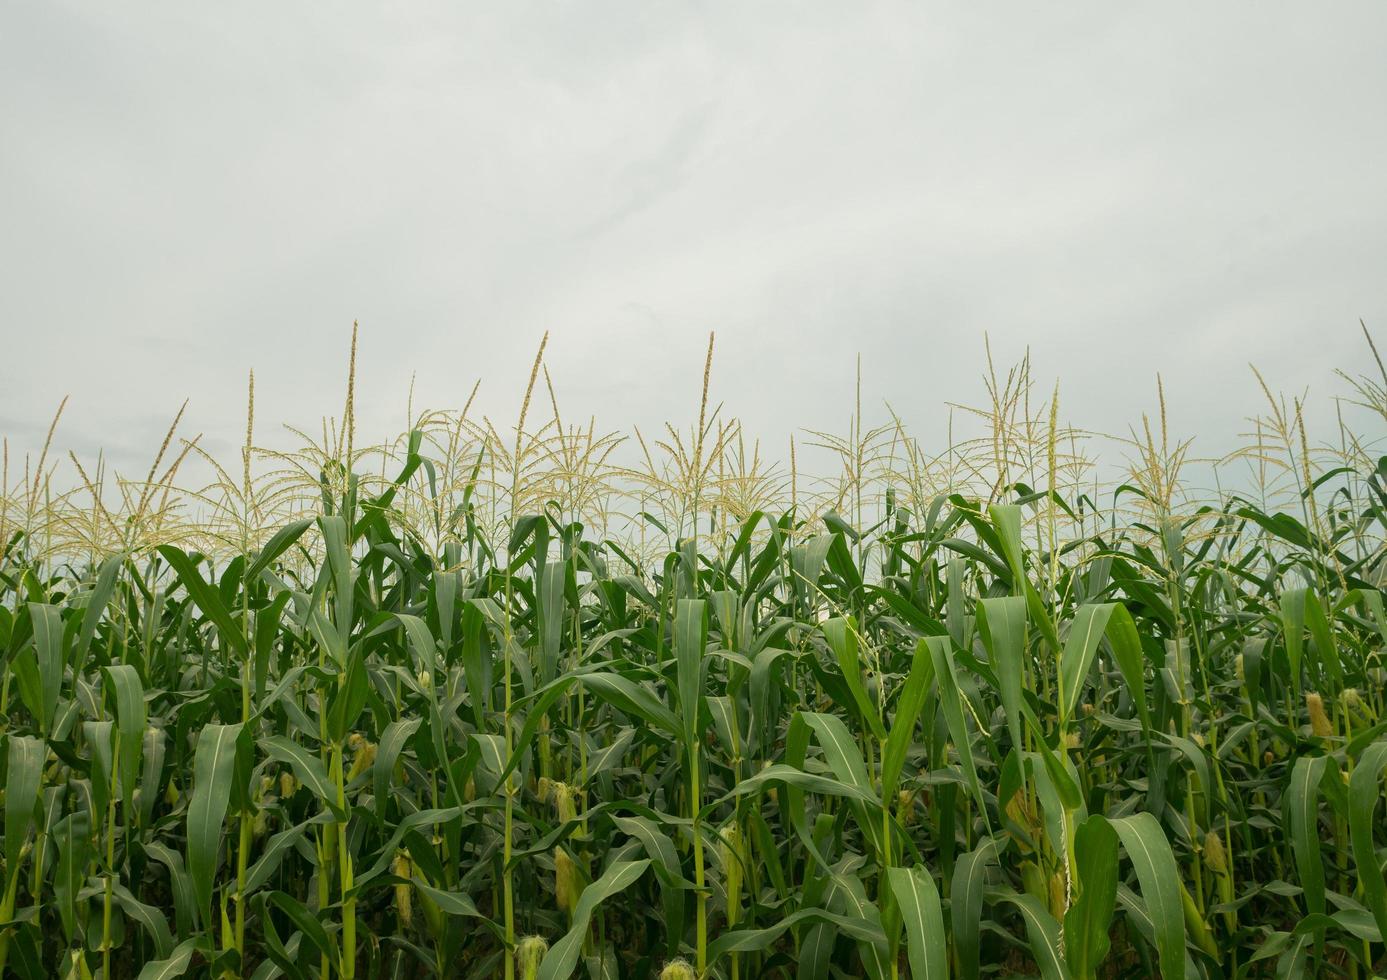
[423,712]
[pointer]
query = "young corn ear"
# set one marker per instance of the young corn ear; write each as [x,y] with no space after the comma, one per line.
[1034,881]
[529,954]
[401,867]
[228,933]
[364,757]
[1021,812]
[564,804]
[433,916]
[1319,720]
[1195,925]
[732,856]
[905,806]
[566,885]
[1356,706]
[1059,895]
[1216,857]
[678,970]
[262,815]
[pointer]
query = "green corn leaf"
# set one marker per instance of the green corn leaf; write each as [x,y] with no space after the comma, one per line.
[1302,806]
[1090,622]
[130,719]
[207,598]
[1127,650]
[908,707]
[1293,602]
[307,767]
[1002,623]
[24,775]
[278,543]
[664,858]
[307,924]
[1043,932]
[214,763]
[1088,920]
[842,636]
[750,940]
[941,653]
[690,640]
[966,904]
[923,915]
[72,835]
[48,648]
[174,965]
[633,699]
[563,956]
[1364,793]
[392,743]
[1006,519]
[97,601]
[151,920]
[1159,877]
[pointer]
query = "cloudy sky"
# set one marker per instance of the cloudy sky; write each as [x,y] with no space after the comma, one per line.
[189,191]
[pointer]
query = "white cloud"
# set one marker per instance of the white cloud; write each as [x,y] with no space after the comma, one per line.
[194,192]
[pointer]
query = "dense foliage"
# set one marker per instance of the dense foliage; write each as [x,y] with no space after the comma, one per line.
[971,738]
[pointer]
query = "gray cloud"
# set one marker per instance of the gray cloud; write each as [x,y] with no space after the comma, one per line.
[193,192]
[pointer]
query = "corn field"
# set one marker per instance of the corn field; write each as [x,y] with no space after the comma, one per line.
[484,702]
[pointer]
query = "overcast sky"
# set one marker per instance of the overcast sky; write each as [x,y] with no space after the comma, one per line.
[188,191]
